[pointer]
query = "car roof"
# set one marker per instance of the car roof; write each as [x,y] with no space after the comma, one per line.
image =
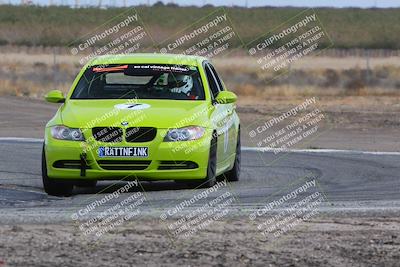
[143,58]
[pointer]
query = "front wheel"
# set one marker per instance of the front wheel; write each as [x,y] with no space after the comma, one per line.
[211,177]
[234,174]
[51,186]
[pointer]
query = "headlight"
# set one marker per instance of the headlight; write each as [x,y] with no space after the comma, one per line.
[184,134]
[64,133]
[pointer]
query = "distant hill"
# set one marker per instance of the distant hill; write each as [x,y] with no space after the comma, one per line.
[59,26]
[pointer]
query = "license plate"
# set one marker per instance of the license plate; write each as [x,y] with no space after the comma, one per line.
[124,152]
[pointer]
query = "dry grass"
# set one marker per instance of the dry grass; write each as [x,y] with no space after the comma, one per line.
[32,73]
[33,78]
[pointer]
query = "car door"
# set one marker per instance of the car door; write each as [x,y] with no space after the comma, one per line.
[230,129]
[217,116]
[219,119]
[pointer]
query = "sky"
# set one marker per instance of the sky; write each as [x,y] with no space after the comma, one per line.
[249,3]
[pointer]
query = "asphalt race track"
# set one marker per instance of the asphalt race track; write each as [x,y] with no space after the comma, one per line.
[350,181]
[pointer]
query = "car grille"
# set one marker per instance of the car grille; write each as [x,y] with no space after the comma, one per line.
[177,165]
[140,134]
[70,164]
[124,164]
[107,134]
[115,134]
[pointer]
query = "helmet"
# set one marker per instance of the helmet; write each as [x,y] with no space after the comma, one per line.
[180,83]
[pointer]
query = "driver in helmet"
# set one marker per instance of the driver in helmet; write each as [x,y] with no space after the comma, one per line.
[181,83]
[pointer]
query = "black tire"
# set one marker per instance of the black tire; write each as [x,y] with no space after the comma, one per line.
[211,177]
[54,187]
[86,183]
[234,174]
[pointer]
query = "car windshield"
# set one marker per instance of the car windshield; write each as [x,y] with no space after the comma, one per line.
[141,81]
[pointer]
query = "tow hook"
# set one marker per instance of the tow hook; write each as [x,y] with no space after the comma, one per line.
[83,164]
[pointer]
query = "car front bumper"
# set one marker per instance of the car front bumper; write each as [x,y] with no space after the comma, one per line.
[74,160]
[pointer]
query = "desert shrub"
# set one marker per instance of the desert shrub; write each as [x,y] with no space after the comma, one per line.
[331,78]
[355,86]
[382,73]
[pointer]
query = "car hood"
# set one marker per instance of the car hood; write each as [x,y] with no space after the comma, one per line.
[151,113]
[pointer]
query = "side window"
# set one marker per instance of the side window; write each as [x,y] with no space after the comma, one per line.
[214,87]
[221,86]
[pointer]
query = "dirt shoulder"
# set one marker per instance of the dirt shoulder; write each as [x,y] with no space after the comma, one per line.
[368,123]
[322,241]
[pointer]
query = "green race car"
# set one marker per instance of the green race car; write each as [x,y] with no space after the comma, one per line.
[142,116]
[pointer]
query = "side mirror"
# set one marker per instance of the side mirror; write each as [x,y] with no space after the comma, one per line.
[55,96]
[226,97]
